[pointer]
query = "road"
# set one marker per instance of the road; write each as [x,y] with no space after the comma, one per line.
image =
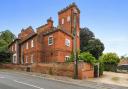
[20,81]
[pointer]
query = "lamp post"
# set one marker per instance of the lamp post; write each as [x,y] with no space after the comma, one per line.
[75,46]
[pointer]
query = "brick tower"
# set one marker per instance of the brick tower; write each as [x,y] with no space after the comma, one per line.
[66,20]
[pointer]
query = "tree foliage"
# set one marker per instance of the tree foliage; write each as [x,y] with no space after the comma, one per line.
[6,37]
[85,36]
[110,58]
[87,57]
[95,47]
[88,43]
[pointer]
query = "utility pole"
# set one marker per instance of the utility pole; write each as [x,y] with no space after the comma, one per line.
[75,46]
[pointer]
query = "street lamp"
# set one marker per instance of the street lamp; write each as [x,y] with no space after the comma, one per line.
[75,46]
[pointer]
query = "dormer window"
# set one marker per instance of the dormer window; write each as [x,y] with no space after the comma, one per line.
[62,20]
[50,40]
[68,19]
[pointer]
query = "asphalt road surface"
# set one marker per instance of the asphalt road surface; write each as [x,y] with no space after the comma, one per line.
[20,81]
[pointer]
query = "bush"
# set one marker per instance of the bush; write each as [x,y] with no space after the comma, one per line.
[87,57]
[5,57]
[110,61]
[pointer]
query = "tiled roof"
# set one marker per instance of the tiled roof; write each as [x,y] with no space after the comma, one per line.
[13,42]
[55,30]
[28,37]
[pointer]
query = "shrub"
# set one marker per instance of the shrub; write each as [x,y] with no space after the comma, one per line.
[5,57]
[110,61]
[87,57]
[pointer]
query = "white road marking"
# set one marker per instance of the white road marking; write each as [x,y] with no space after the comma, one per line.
[28,84]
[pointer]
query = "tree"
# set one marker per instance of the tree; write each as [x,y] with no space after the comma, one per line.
[6,37]
[95,47]
[110,58]
[88,43]
[85,36]
[110,61]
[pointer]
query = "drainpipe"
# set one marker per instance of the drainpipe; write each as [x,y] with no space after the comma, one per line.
[75,47]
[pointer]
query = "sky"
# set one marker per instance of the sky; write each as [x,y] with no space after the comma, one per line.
[108,19]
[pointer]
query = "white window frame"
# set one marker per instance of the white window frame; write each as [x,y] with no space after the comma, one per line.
[32,43]
[67,42]
[27,45]
[67,58]
[32,58]
[26,60]
[14,58]
[62,21]
[49,40]
[68,19]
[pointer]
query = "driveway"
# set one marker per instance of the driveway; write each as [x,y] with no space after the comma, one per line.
[120,79]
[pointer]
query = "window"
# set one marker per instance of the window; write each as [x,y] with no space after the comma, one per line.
[67,42]
[50,40]
[14,58]
[67,58]
[32,59]
[27,45]
[63,21]
[32,43]
[68,19]
[26,59]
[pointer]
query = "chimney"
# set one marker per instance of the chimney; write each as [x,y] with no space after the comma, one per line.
[50,22]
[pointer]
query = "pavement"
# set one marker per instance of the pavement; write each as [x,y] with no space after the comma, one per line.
[10,79]
[114,78]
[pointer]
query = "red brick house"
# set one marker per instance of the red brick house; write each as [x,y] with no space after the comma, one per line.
[48,43]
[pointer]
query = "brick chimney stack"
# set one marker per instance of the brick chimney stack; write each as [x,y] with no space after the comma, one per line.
[50,22]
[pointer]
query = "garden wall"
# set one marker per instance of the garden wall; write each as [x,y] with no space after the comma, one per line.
[65,69]
[85,70]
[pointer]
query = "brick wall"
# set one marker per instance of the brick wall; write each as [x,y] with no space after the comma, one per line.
[60,69]
[58,50]
[64,69]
